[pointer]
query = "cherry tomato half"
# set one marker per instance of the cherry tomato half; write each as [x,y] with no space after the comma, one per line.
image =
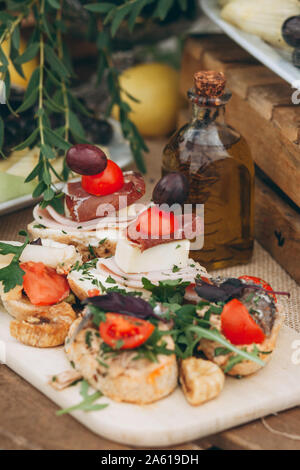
[157,223]
[131,331]
[107,182]
[259,282]
[42,284]
[238,326]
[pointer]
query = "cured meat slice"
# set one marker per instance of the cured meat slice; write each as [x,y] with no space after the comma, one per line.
[191,226]
[83,206]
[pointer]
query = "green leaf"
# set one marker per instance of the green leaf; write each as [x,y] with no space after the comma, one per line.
[39,189]
[7,248]
[15,38]
[102,40]
[163,8]
[121,13]
[28,102]
[28,141]
[28,54]
[75,125]
[35,172]
[55,63]
[54,138]
[221,352]
[46,177]
[3,58]
[135,12]
[52,78]
[232,361]
[215,335]
[102,7]
[12,275]
[14,54]
[49,194]
[54,3]
[78,105]
[47,151]
[33,82]
[87,404]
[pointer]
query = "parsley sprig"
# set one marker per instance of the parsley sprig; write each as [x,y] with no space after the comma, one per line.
[12,275]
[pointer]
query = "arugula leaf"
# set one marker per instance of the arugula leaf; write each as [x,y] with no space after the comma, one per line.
[12,275]
[232,361]
[170,291]
[87,404]
[215,335]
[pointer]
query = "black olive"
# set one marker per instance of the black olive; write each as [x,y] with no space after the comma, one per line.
[291,31]
[171,189]
[86,159]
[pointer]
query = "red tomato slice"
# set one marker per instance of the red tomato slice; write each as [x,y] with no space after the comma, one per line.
[238,326]
[157,223]
[107,182]
[131,331]
[42,284]
[93,292]
[259,282]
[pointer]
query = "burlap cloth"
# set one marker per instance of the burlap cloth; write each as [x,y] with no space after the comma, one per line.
[262,265]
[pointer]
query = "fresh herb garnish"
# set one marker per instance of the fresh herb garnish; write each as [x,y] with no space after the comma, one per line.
[12,275]
[175,269]
[92,251]
[39,226]
[170,291]
[102,241]
[221,352]
[87,404]
[88,335]
[110,280]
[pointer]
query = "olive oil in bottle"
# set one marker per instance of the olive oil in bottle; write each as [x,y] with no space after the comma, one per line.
[217,162]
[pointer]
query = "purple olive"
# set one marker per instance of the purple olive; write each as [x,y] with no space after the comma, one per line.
[171,189]
[86,159]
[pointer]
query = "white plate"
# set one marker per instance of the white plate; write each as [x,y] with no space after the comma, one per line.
[119,151]
[172,420]
[278,60]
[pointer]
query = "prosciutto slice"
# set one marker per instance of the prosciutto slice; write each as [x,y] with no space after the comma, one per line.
[187,274]
[191,226]
[84,206]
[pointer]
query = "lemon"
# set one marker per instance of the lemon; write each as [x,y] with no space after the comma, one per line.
[155,86]
[28,67]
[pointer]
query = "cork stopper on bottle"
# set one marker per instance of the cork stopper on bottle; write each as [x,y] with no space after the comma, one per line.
[209,84]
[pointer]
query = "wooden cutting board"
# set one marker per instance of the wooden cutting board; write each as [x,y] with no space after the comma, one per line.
[171,420]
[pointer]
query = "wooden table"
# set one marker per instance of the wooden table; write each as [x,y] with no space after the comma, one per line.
[28,420]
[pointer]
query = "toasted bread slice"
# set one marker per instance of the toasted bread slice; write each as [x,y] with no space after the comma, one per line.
[122,377]
[88,243]
[44,329]
[244,368]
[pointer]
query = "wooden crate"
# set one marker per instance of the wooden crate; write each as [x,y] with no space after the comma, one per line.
[262,111]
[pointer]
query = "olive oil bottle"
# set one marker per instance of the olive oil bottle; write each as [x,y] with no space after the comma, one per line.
[217,162]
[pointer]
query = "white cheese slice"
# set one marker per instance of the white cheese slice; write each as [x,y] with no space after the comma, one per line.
[131,259]
[50,253]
